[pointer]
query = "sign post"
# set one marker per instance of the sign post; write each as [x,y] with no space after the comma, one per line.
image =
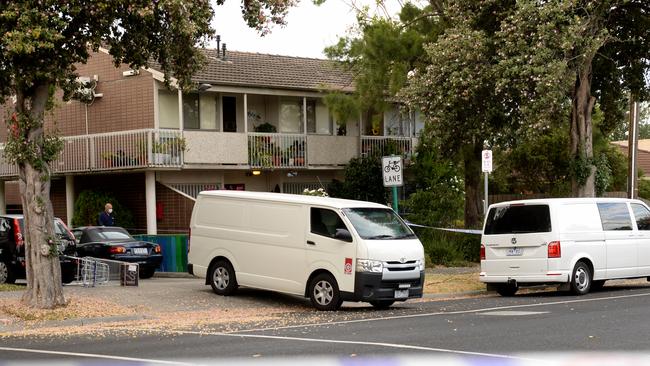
[392,173]
[486,156]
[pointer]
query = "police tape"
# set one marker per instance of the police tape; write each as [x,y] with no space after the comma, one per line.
[464,231]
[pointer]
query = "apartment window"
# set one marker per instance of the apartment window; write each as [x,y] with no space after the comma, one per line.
[229,106]
[291,116]
[191,111]
[168,109]
[208,111]
[318,118]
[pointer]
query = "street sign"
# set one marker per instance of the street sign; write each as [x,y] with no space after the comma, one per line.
[487,161]
[392,171]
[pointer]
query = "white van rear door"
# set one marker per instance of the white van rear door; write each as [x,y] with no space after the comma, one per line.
[516,238]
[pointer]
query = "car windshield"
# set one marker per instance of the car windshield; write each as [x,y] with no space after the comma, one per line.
[108,233]
[378,223]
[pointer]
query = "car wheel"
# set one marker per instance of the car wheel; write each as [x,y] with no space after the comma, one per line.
[507,290]
[581,279]
[382,304]
[222,278]
[147,272]
[324,292]
[597,285]
[6,274]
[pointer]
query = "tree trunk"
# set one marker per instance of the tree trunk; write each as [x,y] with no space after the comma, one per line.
[581,133]
[472,165]
[44,288]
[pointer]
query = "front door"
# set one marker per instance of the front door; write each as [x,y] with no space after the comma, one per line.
[324,251]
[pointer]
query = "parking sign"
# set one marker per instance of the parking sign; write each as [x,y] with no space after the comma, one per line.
[487,161]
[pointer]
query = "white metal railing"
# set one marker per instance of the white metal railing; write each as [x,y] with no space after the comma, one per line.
[114,151]
[276,150]
[382,145]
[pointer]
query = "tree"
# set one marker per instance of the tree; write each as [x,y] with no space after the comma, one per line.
[567,55]
[363,181]
[41,43]
[380,53]
[455,91]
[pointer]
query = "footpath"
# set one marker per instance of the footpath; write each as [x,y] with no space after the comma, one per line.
[182,301]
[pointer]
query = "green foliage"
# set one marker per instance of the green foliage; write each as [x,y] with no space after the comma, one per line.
[644,189]
[343,107]
[438,200]
[382,51]
[363,181]
[449,248]
[90,204]
[266,127]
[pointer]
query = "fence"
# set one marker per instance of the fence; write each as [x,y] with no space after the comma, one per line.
[173,248]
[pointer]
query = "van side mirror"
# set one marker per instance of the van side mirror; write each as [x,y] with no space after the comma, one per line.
[343,234]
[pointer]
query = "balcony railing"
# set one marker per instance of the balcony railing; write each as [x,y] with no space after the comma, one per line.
[274,150]
[114,151]
[152,148]
[382,145]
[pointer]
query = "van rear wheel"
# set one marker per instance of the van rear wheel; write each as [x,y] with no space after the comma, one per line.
[581,279]
[222,278]
[324,292]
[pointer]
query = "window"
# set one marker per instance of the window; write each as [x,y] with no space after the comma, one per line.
[191,111]
[168,109]
[642,216]
[325,222]
[518,219]
[318,118]
[229,106]
[208,111]
[291,116]
[615,216]
[378,224]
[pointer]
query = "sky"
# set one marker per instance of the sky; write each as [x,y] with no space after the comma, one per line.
[309,28]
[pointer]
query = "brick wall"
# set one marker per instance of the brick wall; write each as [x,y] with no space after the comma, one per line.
[127,103]
[57,196]
[176,210]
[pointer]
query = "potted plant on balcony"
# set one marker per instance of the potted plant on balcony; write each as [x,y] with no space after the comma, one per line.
[159,153]
[266,127]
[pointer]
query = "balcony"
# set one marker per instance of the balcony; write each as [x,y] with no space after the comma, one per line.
[174,149]
[136,149]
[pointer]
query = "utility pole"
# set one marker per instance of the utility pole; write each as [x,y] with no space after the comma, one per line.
[632,145]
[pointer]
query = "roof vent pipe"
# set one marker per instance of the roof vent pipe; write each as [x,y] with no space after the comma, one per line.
[223,48]
[218,41]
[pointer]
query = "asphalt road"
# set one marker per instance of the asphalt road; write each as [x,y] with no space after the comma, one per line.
[486,328]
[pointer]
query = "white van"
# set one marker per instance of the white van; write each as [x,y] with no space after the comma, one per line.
[577,243]
[327,249]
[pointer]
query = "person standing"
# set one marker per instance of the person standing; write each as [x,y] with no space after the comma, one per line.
[106,217]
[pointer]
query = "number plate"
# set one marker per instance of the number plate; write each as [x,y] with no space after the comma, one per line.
[401,294]
[140,251]
[515,252]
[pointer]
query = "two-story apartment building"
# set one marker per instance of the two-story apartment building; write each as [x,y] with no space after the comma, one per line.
[255,122]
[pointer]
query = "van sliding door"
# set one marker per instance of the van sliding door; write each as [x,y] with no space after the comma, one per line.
[620,239]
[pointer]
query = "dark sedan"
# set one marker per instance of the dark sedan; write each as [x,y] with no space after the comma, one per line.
[111,242]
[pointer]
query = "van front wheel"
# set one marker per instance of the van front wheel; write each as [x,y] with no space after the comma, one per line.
[324,292]
[581,279]
[222,278]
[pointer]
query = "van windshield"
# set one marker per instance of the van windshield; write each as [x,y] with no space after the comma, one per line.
[518,219]
[378,224]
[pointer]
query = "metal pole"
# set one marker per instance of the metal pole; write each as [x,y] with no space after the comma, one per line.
[485,202]
[633,143]
[395,204]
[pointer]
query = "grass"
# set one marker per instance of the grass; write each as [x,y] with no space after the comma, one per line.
[452,283]
[10,287]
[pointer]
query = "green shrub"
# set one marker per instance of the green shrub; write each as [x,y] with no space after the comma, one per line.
[90,204]
[449,248]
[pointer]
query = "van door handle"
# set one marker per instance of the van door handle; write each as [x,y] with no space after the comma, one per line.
[310,242]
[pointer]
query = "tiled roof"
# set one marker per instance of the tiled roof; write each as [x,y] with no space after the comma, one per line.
[273,71]
[644,144]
